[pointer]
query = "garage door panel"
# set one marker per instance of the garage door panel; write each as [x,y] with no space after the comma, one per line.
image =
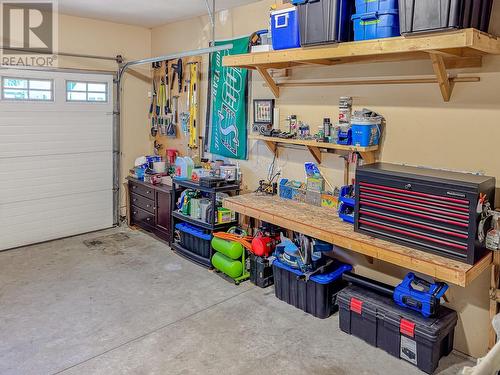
[50,176]
[68,216]
[56,164]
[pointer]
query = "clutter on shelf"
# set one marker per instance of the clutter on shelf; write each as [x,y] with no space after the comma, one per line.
[361,129]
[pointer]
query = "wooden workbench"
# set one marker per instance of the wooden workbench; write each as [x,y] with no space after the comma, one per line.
[324,224]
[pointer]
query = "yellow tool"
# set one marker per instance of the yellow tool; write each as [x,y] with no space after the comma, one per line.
[193,105]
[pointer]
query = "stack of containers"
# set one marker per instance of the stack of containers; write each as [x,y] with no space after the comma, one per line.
[376,19]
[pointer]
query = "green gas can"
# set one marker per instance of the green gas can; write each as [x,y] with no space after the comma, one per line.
[232,268]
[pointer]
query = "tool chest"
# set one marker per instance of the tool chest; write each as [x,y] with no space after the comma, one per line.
[403,333]
[427,209]
[316,296]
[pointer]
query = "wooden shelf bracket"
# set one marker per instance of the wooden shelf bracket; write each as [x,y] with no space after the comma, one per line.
[269,80]
[316,153]
[445,83]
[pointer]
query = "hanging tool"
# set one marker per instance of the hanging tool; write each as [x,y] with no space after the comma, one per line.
[413,292]
[175,109]
[184,116]
[177,72]
[167,86]
[154,104]
[193,105]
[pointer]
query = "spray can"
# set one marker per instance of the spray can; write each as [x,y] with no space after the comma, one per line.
[327,128]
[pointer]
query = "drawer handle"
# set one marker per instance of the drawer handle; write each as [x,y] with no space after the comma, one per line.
[134,200]
[148,192]
[134,187]
[148,206]
[148,219]
[134,213]
[408,186]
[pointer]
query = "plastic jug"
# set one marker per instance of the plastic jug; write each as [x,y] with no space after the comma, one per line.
[184,167]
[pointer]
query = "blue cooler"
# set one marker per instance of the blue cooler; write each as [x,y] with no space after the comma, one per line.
[376,25]
[285,28]
[366,6]
[365,131]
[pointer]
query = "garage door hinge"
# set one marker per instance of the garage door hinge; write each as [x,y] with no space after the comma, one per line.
[116,113]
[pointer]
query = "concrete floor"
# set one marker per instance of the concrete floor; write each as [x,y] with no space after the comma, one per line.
[120,302]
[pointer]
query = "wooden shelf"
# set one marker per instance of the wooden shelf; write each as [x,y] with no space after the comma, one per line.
[367,153]
[324,224]
[447,50]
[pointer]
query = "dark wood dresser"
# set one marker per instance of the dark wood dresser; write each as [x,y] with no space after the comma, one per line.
[150,207]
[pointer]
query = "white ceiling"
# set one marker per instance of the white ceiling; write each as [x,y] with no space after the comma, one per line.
[147,13]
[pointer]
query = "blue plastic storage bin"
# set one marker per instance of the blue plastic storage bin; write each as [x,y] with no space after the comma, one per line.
[195,240]
[285,29]
[366,6]
[365,132]
[343,196]
[376,25]
[344,215]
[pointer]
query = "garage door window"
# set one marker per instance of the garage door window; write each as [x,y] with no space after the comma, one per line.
[86,92]
[23,89]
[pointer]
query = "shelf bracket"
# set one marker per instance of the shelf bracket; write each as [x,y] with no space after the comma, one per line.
[445,83]
[273,147]
[316,153]
[270,81]
[368,157]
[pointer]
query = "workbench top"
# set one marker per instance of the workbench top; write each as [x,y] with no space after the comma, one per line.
[324,224]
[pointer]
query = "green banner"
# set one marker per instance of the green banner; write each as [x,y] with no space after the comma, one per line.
[228,95]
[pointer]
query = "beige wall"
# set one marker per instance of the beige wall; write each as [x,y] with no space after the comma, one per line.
[421,130]
[86,36]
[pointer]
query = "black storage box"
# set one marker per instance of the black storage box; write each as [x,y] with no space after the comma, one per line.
[261,271]
[317,296]
[434,15]
[403,333]
[325,21]
[428,209]
[195,239]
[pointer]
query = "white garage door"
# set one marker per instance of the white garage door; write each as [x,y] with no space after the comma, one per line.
[56,155]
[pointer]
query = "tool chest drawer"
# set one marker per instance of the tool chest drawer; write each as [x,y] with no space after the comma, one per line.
[145,191]
[142,202]
[431,210]
[140,216]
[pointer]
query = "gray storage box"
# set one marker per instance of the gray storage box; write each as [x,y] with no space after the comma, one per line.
[437,15]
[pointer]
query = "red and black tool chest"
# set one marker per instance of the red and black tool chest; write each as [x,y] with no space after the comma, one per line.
[428,209]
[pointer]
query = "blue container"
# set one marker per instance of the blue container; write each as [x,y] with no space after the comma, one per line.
[348,218]
[285,29]
[366,6]
[365,132]
[376,25]
[343,196]
[345,138]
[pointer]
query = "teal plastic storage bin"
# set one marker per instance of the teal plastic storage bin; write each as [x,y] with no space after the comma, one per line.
[285,29]
[366,6]
[376,25]
[365,132]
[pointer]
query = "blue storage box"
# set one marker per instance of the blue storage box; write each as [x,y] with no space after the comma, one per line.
[366,6]
[285,29]
[195,239]
[376,25]
[365,132]
[343,213]
[343,196]
[316,296]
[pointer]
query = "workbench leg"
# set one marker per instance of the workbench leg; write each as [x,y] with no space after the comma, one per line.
[495,275]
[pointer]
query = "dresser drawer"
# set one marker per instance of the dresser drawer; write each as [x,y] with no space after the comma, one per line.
[142,202]
[142,217]
[145,191]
